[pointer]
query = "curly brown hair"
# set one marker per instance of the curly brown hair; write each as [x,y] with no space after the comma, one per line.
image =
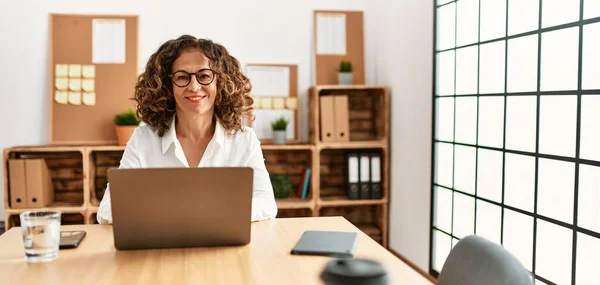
[154,92]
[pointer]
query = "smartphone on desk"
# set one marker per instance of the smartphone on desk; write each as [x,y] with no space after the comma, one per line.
[70,239]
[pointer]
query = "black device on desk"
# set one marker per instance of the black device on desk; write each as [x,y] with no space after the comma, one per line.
[335,244]
[70,239]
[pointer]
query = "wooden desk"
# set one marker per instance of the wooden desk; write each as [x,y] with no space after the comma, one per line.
[266,260]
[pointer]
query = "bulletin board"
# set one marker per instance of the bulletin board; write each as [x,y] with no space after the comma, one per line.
[96,57]
[327,64]
[268,104]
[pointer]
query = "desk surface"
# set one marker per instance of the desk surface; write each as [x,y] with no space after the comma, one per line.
[266,260]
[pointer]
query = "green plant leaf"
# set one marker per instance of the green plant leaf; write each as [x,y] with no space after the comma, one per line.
[345,66]
[280,124]
[282,187]
[127,118]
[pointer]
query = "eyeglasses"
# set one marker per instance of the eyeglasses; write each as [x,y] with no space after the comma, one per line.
[182,78]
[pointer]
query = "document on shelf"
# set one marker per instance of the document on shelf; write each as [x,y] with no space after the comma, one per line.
[108,41]
[331,34]
[271,81]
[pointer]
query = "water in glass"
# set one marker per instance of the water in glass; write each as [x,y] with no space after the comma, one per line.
[41,235]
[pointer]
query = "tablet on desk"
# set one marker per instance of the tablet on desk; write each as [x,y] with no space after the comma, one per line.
[334,244]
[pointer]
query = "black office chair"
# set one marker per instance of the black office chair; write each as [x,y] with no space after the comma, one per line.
[477,261]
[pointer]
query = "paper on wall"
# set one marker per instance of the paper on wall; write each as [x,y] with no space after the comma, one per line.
[108,41]
[75,70]
[331,34]
[87,85]
[89,98]
[88,71]
[74,84]
[61,83]
[265,102]
[278,103]
[61,97]
[291,103]
[264,118]
[75,98]
[269,80]
[61,70]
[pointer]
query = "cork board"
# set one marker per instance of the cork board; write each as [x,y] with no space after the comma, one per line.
[290,102]
[327,66]
[81,120]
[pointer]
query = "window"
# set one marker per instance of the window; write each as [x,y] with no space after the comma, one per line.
[516,142]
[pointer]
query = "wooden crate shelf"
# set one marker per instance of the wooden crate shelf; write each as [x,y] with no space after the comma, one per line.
[352,145]
[54,207]
[345,202]
[368,111]
[66,167]
[291,163]
[370,219]
[67,218]
[101,159]
[295,213]
[265,147]
[79,172]
[294,203]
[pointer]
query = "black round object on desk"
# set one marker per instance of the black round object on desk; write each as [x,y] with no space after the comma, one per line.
[354,271]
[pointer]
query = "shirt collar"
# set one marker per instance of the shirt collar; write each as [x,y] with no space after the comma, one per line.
[169,137]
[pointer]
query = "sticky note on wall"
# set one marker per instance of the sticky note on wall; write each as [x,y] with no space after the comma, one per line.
[61,83]
[61,97]
[89,98]
[75,70]
[87,85]
[291,103]
[278,103]
[89,71]
[75,98]
[266,102]
[61,70]
[74,84]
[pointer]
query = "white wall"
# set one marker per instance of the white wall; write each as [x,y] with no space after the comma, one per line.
[404,61]
[259,31]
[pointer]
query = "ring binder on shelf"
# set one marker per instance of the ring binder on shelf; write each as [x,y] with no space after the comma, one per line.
[365,179]
[353,181]
[376,176]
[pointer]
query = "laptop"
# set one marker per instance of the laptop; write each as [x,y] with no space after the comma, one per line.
[181,207]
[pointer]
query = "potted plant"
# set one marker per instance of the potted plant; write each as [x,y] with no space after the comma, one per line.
[345,73]
[125,124]
[282,187]
[279,127]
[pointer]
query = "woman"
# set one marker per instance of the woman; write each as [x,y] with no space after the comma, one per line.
[192,97]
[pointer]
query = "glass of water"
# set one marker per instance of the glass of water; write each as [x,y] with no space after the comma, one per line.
[41,235]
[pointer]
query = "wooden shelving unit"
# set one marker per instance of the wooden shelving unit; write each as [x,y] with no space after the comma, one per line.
[82,176]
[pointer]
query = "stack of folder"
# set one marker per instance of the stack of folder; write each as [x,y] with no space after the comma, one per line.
[335,121]
[364,176]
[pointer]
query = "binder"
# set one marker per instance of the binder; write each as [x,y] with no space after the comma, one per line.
[376,191]
[17,186]
[353,191]
[306,183]
[342,118]
[301,184]
[40,191]
[327,119]
[365,177]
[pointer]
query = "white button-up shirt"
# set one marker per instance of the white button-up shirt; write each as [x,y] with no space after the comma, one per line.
[146,149]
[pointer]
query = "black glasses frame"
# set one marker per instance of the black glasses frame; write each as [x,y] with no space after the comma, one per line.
[196,75]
